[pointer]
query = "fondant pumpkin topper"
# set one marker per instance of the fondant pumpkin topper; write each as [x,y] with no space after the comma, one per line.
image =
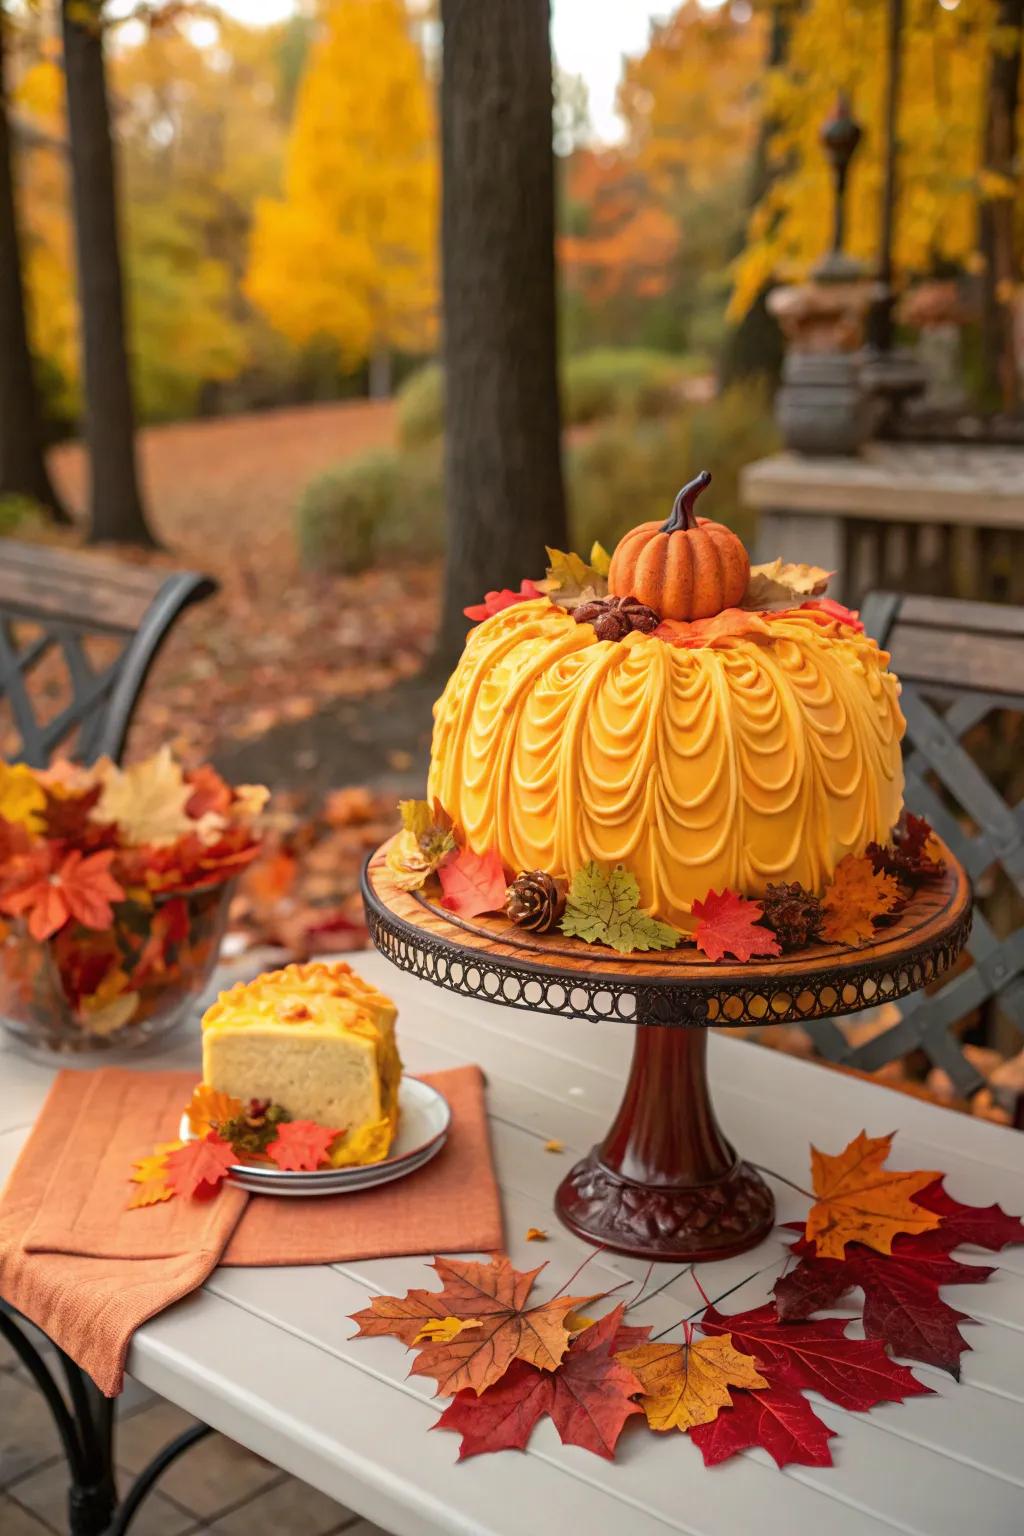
[687,567]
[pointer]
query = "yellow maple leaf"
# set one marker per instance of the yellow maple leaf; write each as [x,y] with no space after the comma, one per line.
[22,798]
[856,897]
[536,1235]
[147,802]
[150,1174]
[779,584]
[687,1384]
[149,1194]
[859,1201]
[208,1107]
[442,1330]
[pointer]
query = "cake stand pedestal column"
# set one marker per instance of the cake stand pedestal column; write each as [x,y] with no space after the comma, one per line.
[665,1183]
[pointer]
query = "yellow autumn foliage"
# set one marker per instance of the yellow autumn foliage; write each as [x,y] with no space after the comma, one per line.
[348,253]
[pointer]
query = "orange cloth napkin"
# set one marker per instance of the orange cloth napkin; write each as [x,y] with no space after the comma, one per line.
[88,1271]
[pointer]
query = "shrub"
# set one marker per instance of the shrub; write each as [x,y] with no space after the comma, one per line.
[19,513]
[420,407]
[620,381]
[624,473]
[382,506]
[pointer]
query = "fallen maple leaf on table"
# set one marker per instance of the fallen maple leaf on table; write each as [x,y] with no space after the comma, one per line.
[602,908]
[554,1145]
[854,1373]
[778,1419]
[857,897]
[687,1384]
[81,887]
[473,883]
[589,1397]
[301,1145]
[536,1235]
[902,1305]
[729,925]
[986,1226]
[495,1295]
[496,602]
[150,1175]
[860,1201]
[198,1168]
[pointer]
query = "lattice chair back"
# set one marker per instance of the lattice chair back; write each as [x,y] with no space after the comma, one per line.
[85,630]
[959,662]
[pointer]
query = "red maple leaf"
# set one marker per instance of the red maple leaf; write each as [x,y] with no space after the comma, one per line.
[473,882]
[779,1419]
[902,1305]
[68,819]
[301,1145]
[199,1167]
[986,1226]
[729,925]
[209,793]
[833,610]
[588,1396]
[494,602]
[81,887]
[855,1373]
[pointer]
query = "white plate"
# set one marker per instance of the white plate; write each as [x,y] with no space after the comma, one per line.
[423,1121]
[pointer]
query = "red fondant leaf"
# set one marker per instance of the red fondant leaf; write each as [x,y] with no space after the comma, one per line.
[473,882]
[855,1373]
[728,925]
[833,610]
[986,1226]
[494,602]
[199,1167]
[301,1145]
[779,1419]
[589,1397]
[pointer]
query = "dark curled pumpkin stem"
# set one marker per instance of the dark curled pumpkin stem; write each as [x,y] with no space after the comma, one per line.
[682,514]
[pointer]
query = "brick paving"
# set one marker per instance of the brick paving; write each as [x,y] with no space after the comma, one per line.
[218,1487]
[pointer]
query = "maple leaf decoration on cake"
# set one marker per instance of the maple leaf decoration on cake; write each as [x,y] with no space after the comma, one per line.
[301,1146]
[209,1109]
[570,581]
[779,585]
[730,925]
[473,883]
[496,602]
[601,908]
[686,1384]
[856,899]
[495,1296]
[425,841]
[589,1398]
[914,855]
[860,1201]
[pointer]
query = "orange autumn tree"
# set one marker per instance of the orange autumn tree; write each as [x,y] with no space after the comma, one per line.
[347,255]
[623,242]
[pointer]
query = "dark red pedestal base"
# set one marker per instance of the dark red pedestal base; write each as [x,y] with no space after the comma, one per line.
[665,1184]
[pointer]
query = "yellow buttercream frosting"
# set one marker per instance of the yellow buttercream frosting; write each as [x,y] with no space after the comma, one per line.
[318,1040]
[734,764]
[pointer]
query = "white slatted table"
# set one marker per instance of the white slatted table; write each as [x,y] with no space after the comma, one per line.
[264,1355]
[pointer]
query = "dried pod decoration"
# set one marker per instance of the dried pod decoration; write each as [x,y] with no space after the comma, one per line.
[793,915]
[614,618]
[535,901]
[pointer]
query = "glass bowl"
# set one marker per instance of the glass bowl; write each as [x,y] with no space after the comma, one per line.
[83,992]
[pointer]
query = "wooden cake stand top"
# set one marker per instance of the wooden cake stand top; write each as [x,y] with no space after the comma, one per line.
[491,958]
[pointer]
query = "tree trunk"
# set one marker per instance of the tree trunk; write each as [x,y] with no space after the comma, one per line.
[996,216]
[503,470]
[23,469]
[379,373]
[115,502]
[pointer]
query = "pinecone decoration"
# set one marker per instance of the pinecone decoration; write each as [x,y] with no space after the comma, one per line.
[535,901]
[614,618]
[793,915]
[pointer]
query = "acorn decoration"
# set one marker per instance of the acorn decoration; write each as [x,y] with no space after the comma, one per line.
[685,568]
[535,901]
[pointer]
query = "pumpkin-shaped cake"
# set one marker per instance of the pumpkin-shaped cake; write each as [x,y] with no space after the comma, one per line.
[755,757]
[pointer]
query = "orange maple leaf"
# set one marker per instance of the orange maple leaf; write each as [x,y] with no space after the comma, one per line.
[81,887]
[855,899]
[473,882]
[301,1145]
[687,1384]
[150,1174]
[209,1108]
[199,1167]
[859,1201]
[493,1294]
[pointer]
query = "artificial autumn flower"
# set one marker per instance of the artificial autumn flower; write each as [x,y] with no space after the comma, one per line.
[80,887]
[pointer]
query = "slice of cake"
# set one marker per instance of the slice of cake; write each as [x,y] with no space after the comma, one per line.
[317,1040]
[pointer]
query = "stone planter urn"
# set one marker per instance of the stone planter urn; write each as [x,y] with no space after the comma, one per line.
[821,408]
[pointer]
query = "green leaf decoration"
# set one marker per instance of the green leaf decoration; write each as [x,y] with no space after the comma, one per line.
[602,909]
[571,581]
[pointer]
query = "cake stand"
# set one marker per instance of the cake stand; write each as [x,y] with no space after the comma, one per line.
[665,1183]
